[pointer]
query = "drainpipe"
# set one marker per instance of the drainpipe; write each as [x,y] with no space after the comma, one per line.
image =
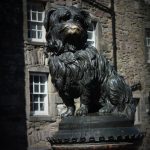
[114,35]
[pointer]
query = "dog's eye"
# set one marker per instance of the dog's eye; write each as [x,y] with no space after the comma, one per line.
[65,17]
[77,18]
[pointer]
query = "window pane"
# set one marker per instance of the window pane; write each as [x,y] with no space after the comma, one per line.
[39,34]
[34,16]
[42,79]
[29,34]
[33,34]
[91,27]
[36,79]
[36,88]
[40,16]
[32,25]
[147,32]
[39,26]
[90,34]
[148,41]
[35,106]
[42,106]
[148,51]
[42,88]
[35,98]
[42,98]
[90,42]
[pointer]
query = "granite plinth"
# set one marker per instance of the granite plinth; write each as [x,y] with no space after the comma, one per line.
[96,132]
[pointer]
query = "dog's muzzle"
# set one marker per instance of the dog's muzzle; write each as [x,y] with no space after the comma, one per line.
[71,29]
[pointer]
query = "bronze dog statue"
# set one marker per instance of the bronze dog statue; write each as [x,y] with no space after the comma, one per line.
[78,70]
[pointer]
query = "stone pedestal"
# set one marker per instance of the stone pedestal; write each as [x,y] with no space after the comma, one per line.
[96,132]
[96,146]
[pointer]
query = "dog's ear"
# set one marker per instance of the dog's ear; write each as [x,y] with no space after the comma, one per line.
[86,17]
[47,17]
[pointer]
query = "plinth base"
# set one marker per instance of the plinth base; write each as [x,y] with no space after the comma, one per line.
[95,146]
[96,132]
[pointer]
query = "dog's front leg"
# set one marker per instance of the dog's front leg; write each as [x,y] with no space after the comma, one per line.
[83,110]
[84,105]
[69,112]
[69,102]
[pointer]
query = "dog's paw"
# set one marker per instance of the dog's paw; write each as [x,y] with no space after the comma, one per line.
[82,111]
[70,112]
[105,110]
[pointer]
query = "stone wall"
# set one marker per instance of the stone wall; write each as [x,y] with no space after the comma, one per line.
[38,127]
[132,19]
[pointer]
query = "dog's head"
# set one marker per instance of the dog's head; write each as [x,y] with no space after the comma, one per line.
[66,29]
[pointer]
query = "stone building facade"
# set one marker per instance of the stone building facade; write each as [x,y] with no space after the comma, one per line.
[29,103]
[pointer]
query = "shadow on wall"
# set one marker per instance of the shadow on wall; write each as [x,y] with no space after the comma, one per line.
[12,85]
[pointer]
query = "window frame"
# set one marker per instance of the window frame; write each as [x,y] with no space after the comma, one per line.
[147,44]
[32,93]
[97,33]
[137,119]
[92,31]
[35,21]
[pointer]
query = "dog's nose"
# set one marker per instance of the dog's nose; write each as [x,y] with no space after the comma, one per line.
[72,28]
[71,25]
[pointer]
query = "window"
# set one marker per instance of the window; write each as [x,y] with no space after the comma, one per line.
[147,42]
[36,31]
[91,34]
[137,115]
[38,94]
[137,119]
